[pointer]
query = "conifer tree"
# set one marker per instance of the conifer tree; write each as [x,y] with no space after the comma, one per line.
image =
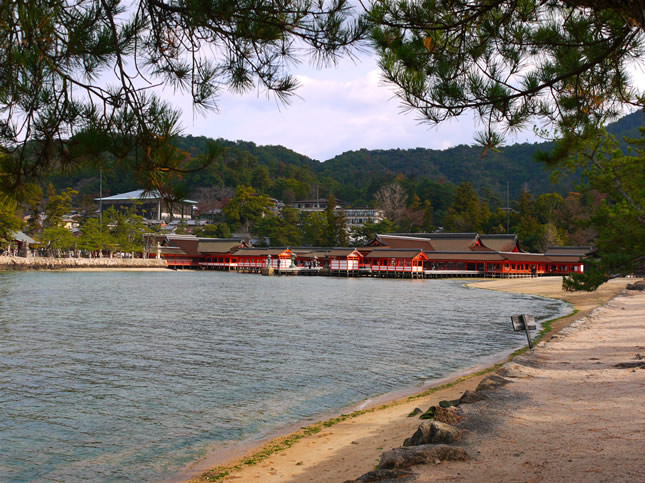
[562,64]
[620,219]
[77,79]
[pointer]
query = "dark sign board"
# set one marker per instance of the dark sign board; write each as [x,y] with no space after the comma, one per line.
[523,322]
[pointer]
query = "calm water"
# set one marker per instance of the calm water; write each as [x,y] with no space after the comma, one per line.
[130,375]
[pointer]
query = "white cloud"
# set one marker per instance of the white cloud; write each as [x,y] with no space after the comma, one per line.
[335,110]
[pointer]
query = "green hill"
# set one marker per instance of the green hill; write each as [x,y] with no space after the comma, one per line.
[355,176]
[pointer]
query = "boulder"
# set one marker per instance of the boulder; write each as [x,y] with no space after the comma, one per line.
[447,415]
[403,458]
[385,476]
[511,371]
[640,285]
[470,397]
[433,432]
[492,382]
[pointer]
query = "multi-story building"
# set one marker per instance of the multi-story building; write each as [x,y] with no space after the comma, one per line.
[359,216]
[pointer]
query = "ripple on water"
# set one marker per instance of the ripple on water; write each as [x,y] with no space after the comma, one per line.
[122,375]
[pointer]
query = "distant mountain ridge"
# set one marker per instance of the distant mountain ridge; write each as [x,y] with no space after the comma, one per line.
[514,163]
[354,176]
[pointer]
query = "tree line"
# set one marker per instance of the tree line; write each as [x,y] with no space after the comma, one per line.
[562,65]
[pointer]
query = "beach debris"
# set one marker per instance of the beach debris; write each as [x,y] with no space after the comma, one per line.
[384,476]
[420,455]
[415,411]
[429,414]
[433,432]
[470,397]
[492,382]
[630,365]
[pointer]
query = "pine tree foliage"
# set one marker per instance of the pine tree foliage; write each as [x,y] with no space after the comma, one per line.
[619,219]
[562,63]
[77,79]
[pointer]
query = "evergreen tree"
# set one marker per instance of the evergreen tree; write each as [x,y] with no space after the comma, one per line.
[428,217]
[94,237]
[313,226]
[620,218]
[467,213]
[10,222]
[331,230]
[126,229]
[362,235]
[246,208]
[57,238]
[220,230]
[59,110]
[281,230]
[57,206]
[560,62]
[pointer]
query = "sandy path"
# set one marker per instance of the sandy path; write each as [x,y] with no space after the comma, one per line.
[353,447]
[570,415]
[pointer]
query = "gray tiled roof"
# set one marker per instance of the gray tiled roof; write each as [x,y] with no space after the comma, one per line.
[141,195]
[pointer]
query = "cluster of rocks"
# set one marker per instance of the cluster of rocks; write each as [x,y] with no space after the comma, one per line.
[50,263]
[438,438]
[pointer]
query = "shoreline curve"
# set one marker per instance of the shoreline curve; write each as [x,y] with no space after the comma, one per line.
[348,445]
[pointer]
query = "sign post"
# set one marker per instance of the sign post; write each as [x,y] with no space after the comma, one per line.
[524,322]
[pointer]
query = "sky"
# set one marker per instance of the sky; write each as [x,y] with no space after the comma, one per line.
[336,109]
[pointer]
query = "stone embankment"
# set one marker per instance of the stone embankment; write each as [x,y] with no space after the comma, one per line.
[50,263]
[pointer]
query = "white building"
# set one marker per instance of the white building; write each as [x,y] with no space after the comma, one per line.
[150,204]
[359,216]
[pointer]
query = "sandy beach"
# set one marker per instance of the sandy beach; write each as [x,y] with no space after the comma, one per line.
[567,413]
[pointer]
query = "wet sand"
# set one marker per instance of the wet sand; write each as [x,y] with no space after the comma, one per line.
[349,448]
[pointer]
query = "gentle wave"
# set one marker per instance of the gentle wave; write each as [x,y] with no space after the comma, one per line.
[126,375]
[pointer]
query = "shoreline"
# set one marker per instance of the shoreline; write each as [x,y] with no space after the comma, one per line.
[111,269]
[49,264]
[349,445]
[238,452]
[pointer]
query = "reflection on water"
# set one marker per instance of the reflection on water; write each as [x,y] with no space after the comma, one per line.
[129,375]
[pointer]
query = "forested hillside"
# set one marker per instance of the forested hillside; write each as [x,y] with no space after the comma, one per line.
[355,176]
[419,190]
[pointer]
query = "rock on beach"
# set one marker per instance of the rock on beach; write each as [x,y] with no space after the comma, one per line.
[433,432]
[421,455]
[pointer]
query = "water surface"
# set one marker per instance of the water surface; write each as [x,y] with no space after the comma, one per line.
[131,375]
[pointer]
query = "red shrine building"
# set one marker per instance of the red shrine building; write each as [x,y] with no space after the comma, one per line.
[405,255]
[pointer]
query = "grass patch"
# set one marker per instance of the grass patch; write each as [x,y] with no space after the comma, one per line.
[548,326]
[281,444]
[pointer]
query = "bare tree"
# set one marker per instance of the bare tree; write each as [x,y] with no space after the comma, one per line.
[208,194]
[391,199]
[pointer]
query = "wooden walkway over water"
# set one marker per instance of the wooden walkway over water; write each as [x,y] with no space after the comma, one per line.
[367,272]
